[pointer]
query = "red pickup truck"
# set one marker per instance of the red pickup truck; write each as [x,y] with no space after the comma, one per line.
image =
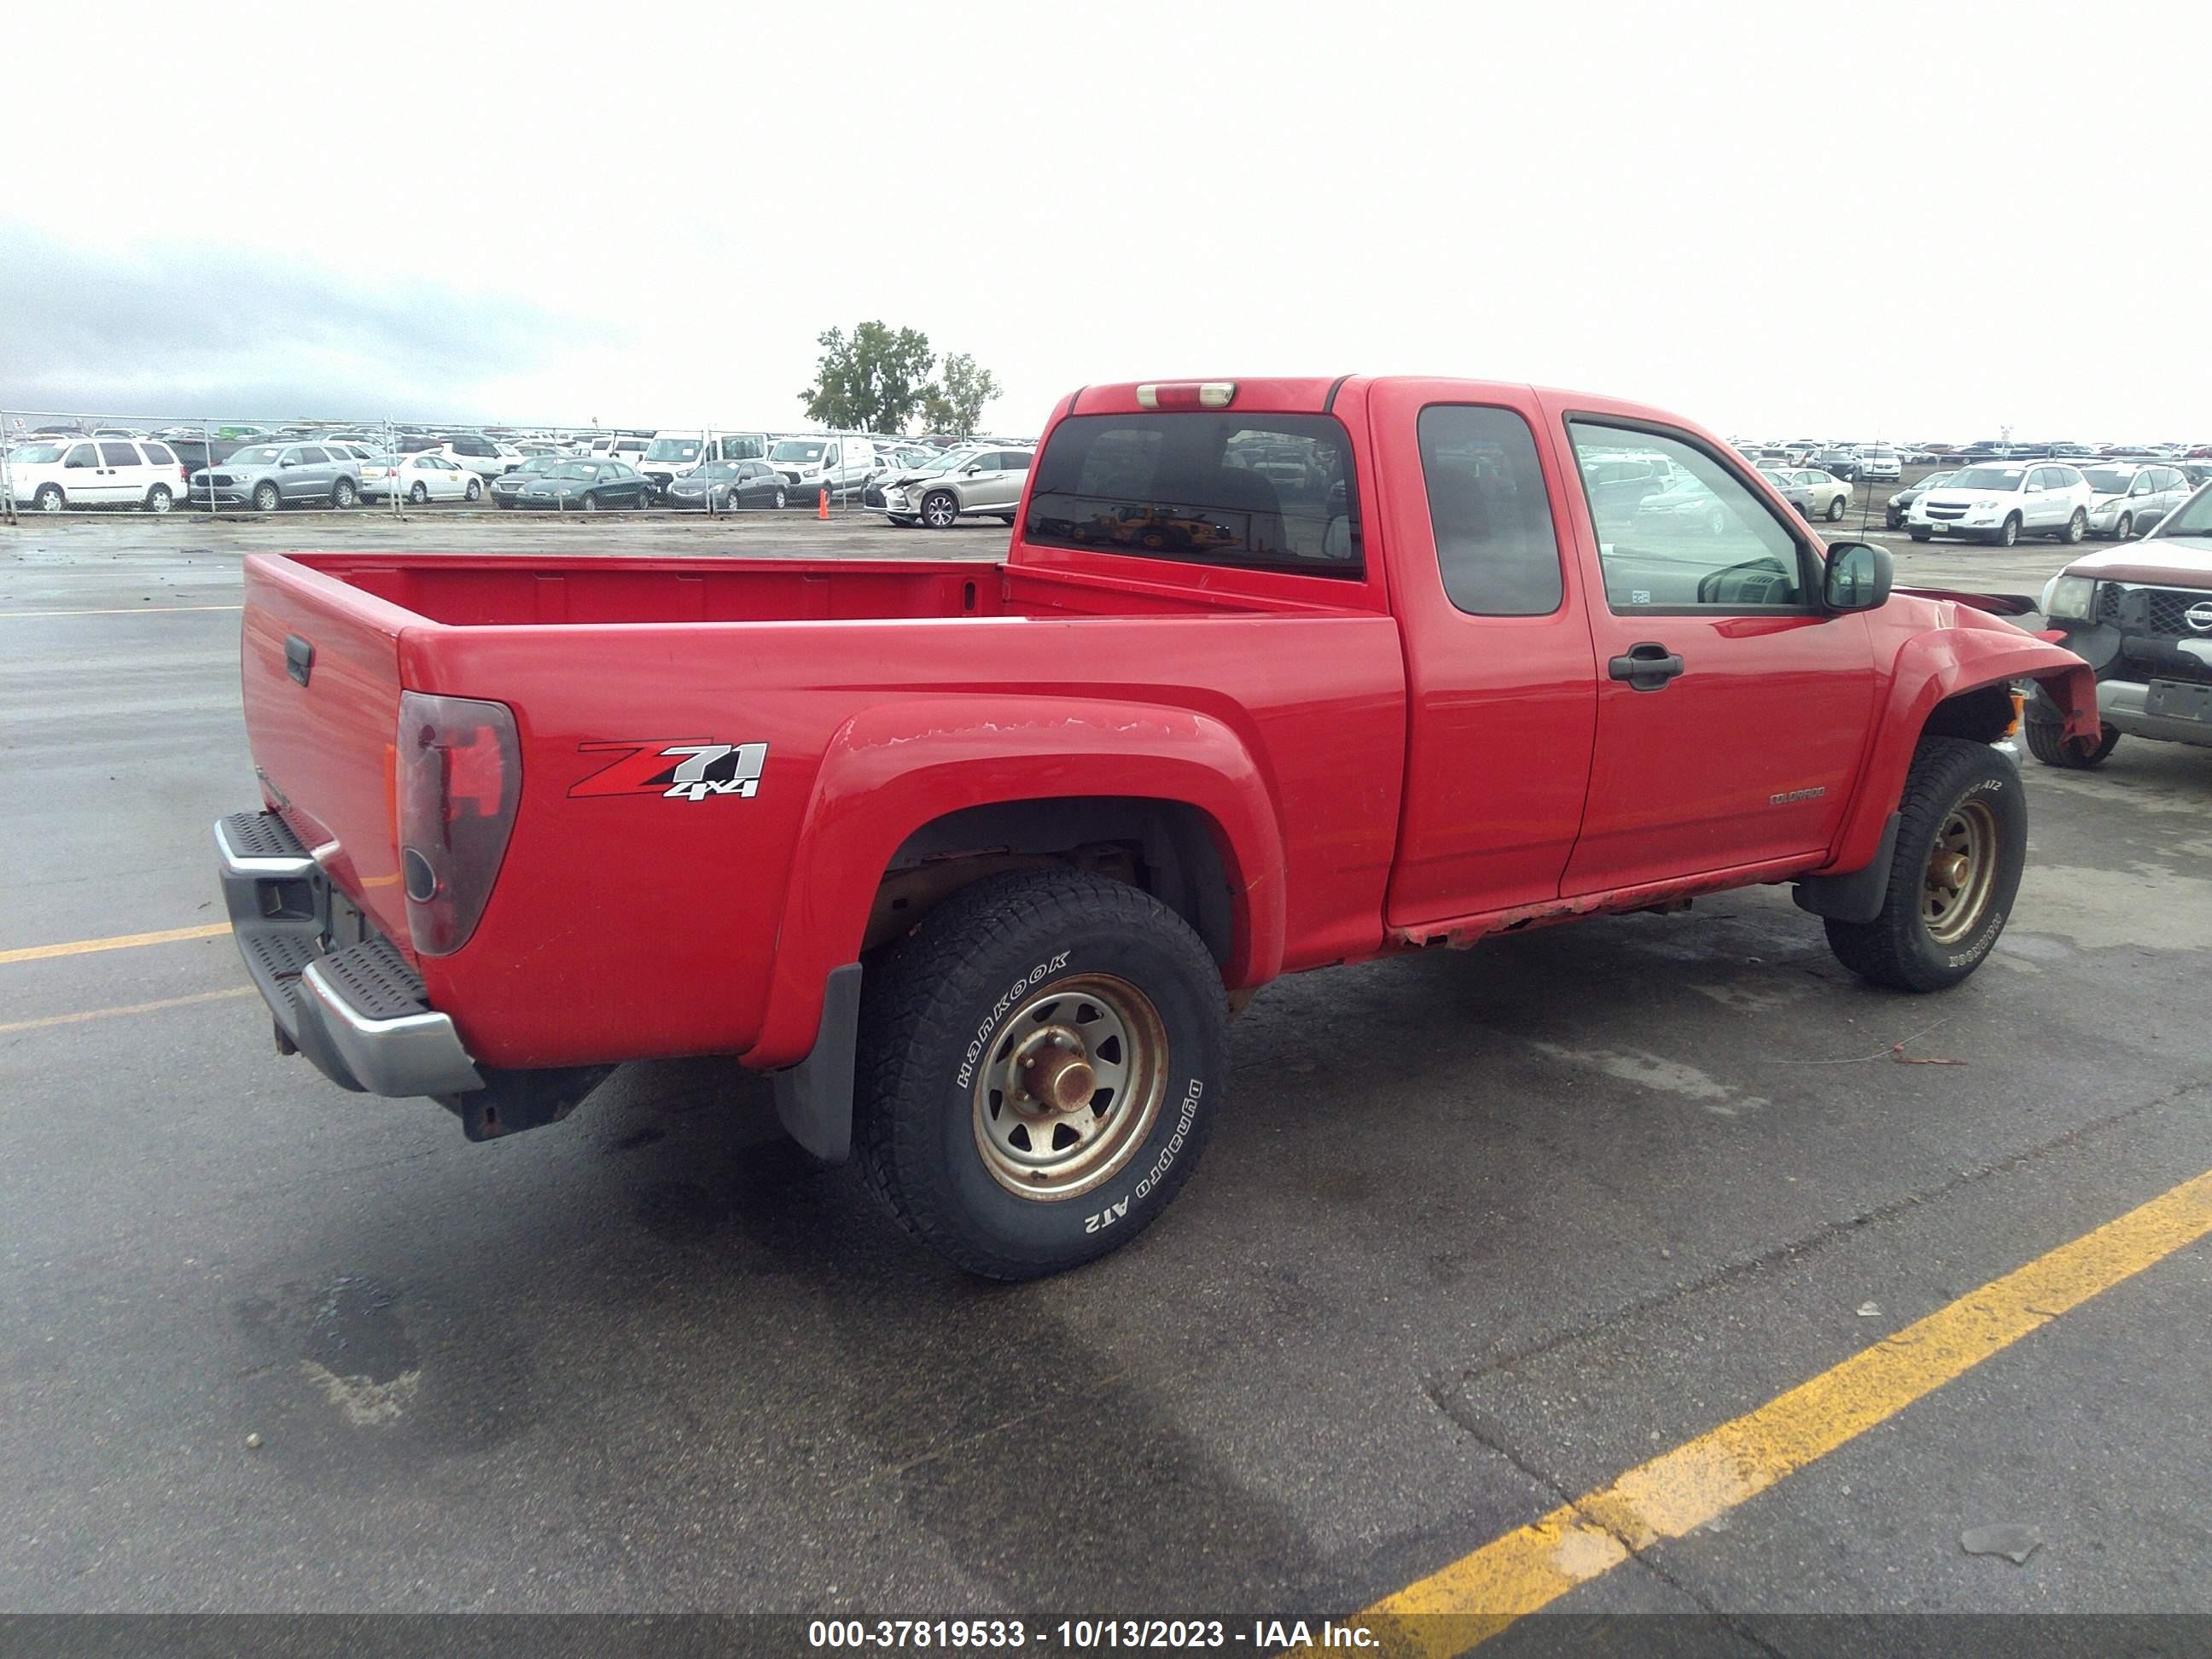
[977,858]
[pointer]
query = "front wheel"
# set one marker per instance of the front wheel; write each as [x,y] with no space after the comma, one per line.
[265,499]
[50,499]
[1835,505]
[2124,528]
[1961,844]
[939,511]
[343,495]
[2009,536]
[2047,742]
[475,491]
[1040,1064]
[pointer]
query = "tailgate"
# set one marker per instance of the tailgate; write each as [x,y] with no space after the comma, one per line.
[319,666]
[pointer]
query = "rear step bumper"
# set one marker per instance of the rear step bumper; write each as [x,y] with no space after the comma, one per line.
[357,1010]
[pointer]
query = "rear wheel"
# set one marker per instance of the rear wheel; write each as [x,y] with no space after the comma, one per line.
[591,503]
[2047,742]
[158,499]
[1040,1064]
[2076,528]
[420,493]
[781,500]
[343,495]
[1961,844]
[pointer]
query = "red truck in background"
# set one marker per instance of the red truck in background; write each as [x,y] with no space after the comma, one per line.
[976,858]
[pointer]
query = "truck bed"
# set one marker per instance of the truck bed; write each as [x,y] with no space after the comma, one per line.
[519,590]
[837,674]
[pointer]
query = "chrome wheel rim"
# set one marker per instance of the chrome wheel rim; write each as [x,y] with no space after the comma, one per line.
[1073,1087]
[158,502]
[265,499]
[49,501]
[2126,525]
[939,512]
[1954,892]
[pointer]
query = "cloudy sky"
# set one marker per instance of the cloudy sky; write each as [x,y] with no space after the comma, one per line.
[1855,220]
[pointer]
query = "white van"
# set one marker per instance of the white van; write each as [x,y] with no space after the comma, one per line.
[839,462]
[96,472]
[675,453]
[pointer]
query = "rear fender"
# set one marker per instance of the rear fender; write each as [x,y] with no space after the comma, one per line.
[897,767]
[1932,667]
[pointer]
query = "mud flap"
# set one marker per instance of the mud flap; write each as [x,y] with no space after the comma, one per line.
[814,1098]
[1858,895]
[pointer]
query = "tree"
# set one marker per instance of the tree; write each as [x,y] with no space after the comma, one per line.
[871,382]
[955,403]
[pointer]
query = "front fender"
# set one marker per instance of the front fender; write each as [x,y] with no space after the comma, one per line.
[896,766]
[1966,649]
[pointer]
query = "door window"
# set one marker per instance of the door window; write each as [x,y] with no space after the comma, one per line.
[1702,543]
[312,457]
[1490,514]
[118,455]
[81,455]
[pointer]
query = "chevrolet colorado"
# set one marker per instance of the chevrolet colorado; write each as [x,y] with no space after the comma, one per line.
[976,858]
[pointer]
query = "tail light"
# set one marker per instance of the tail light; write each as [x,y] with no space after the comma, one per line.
[460,779]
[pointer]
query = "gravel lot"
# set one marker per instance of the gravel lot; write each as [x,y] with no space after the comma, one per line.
[1478,1232]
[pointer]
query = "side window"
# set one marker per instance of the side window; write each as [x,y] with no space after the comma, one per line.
[313,457]
[118,455]
[1495,547]
[1015,460]
[830,456]
[1704,543]
[160,455]
[289,457]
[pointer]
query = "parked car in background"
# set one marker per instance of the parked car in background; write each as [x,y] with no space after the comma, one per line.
[669,456]
[2130,500]
[265,477]
[428,475]
[1899,506]
[1784,480]
[837,462]
[966,484]
[485,457]
[730,486]
[54,477]
[505,489]
[194,452]
[587,487]
[2141,617]
[2000,501]
[1685,503]
[1837,461]
[1880,464]
[1826,496]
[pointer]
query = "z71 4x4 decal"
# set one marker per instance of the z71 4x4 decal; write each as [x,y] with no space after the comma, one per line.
[676,771]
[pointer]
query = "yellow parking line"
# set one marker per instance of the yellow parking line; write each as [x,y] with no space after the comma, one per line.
[1481,1593]
[79,1017]
[85,947]
[125,610]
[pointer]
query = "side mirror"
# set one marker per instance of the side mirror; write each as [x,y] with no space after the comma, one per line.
[1857,578]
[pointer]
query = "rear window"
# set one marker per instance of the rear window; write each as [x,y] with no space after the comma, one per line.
[1254,492]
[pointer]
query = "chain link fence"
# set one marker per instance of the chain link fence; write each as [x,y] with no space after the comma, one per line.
[75,462]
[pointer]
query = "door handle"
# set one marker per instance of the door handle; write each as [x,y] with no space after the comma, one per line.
[1647,667]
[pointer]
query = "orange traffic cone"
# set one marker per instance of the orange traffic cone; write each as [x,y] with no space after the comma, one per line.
[822,512]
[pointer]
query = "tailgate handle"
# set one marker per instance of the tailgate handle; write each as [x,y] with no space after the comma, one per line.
[299,658]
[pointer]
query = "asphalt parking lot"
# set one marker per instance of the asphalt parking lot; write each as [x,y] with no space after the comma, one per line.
[1480,1233]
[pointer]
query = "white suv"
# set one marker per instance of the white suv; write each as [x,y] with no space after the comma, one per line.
[96,472]
[1878,463]
[2000,501]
